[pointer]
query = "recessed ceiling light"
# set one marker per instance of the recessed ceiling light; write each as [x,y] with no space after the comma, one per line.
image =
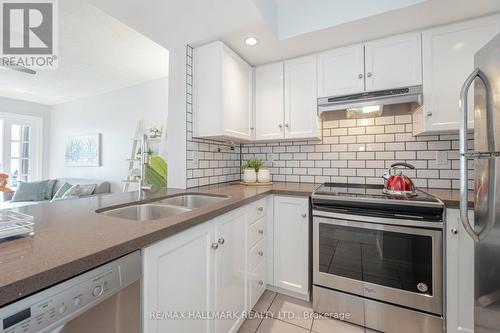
[252,41]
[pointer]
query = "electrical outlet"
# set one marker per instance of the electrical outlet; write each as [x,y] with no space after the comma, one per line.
[441,157]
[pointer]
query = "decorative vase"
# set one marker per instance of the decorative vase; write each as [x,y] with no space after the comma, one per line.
[249,175]
[263,176]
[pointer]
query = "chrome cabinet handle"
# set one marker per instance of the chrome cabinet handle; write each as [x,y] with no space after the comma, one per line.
[463,103]
[304,215]
[252,128]
[369,74]
[429,114]
[261,282]
[221,241]
[454,231]
[360,76]
[286,125]
[280,126]
[261,231]
[261,253]
[215,246]
[260,209]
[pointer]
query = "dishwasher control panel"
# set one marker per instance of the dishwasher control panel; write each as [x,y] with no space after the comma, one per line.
[51,308]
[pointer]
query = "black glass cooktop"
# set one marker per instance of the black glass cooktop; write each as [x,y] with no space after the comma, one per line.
[369,200]
[370,192]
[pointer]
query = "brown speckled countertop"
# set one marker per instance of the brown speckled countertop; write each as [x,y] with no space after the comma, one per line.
[451,198]
[70,238]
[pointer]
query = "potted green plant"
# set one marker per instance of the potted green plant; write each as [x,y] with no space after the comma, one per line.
[250,169]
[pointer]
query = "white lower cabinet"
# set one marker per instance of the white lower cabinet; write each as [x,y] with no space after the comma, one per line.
[459,275]
[199,271]
[291,244]
[217,267]
[230,273]
[178,276]
[222,266]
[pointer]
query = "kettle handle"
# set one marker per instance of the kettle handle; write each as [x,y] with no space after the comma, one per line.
[407,165]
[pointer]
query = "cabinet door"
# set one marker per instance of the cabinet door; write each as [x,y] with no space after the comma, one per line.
[291,244]
[448,58]
[341,71]
[230,268]
[394,62]
[178,276]
[301,105]
[237,96]
[460,275]
[269,111]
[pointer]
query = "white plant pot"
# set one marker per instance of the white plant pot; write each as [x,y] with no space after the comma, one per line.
[249,175]
[263,176]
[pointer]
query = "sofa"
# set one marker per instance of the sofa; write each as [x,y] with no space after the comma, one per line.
[103,187]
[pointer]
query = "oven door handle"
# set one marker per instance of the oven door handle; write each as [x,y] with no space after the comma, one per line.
[379,220]
[376,226]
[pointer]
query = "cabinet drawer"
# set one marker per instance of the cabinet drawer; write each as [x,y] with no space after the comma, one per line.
[257,210]
[256,232]
[256,255]
[257,283]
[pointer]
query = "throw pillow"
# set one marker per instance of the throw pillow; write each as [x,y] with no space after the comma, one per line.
[32,191]
[79,191]
[50,189]
[60,192]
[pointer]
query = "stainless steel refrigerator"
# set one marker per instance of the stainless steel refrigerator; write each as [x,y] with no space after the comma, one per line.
[485,228]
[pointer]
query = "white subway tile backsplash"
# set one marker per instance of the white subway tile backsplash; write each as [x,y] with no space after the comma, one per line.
[351,150]
[375,130]
[384,120]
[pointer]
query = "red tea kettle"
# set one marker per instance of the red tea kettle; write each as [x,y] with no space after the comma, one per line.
[396,183]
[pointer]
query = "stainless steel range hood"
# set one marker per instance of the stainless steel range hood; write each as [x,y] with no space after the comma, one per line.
[381,97]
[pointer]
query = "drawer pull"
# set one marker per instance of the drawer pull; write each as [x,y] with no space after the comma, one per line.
[261,253]
[221,241]
[304,215]
[215,246]
[261,209]
[261,231]
[261,282]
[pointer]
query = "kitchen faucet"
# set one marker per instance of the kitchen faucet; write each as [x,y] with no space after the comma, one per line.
[144,186]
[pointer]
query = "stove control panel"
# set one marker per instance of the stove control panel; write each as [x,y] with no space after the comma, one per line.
[51,308]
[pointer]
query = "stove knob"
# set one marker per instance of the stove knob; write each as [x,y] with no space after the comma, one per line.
[97,291]
[62,309]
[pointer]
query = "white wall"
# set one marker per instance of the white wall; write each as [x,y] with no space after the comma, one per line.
[15,106]
[114,115]
[176,138]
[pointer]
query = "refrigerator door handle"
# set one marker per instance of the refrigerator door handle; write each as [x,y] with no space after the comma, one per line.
[463,102]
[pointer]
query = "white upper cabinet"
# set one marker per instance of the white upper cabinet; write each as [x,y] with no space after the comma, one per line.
[286,104]
[393,62]
[448,58]
[301,106]
[269,109]
[222,94]
[341,71]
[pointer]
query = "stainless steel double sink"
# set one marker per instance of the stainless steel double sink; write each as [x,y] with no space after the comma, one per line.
[163,208]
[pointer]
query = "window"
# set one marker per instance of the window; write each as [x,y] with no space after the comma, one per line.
[21,147]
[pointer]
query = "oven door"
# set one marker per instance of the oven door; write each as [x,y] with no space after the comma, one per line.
[394,264]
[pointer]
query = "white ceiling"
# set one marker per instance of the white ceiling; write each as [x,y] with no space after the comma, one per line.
[173,23]
[97,54]
[290,18]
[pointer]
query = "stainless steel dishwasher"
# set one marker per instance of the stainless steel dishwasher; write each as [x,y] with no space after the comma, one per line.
[104,300]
